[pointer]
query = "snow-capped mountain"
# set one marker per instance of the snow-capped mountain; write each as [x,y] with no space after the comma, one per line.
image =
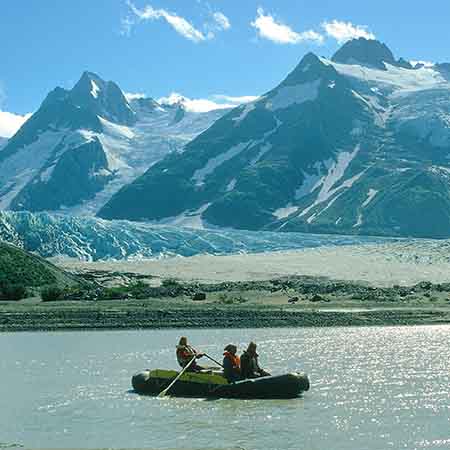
[359,143]
[3,142]
[84,144]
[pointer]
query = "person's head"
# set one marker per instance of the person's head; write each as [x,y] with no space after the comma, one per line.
[251,347]
[183,340]
[231,348]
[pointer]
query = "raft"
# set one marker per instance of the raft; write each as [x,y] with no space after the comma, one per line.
[212,384]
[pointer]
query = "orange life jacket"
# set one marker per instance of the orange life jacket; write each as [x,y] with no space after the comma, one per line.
[184,354]
[236,361]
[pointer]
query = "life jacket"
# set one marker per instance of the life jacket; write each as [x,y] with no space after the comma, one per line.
[235,360]
[184,354]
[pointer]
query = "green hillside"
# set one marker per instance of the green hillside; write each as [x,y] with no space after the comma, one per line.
[21,269]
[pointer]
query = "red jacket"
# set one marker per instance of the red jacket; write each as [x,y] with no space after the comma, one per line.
[184,354]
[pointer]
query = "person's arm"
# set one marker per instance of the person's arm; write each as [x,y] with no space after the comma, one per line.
[227,365]
[244,366]
[195,352]
[258,369]
[261,372]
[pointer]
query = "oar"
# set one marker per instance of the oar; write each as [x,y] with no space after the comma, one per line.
[213,360]
[164,392]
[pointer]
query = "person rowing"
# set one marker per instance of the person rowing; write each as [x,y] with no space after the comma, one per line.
[185,353]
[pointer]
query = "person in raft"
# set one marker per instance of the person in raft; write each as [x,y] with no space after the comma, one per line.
[231,364]
[249,363]
[185,353]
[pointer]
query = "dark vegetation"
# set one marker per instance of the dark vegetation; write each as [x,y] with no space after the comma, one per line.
[52,293]
[312,289]
[23,274]
[12,292]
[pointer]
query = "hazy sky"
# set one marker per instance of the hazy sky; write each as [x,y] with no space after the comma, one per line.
[201,49]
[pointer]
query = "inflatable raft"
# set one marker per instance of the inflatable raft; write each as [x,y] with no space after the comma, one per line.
[212,384]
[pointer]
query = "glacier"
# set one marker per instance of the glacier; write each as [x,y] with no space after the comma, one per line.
[92,239]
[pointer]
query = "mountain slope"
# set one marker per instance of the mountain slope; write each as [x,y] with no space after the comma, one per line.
[84,144]
[356,144]
[245,166]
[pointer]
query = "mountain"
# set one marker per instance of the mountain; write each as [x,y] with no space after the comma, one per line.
[3,142]
[359,144]
[84,144]
[370,53]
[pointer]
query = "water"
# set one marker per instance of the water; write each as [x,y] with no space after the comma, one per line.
[372,388]
[90,238]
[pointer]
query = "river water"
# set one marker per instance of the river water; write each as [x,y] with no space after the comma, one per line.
[371,388]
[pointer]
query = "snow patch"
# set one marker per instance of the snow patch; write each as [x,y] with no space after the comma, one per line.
[289,95]
[200,174]
[317,214]
[347,184]
[47,173]
[282,213]
[335,172]
[187,219]
[263,150]
[359,221]
[309,184]
[231,185]
[94,89]
[245,111]
[21,167]
[370,195]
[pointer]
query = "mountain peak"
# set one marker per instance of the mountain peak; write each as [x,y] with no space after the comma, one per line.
[310,68]
[363,51]
[90,85]
[90,75]
[104,98]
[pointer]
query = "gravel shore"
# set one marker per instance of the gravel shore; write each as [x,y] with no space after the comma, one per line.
[85,318]
[401,283]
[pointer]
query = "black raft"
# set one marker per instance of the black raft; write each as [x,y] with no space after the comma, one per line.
[214,385]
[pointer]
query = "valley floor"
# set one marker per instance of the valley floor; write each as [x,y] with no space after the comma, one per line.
[401,283]
[401,263]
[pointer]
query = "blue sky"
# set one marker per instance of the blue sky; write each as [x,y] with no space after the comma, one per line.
[198,48]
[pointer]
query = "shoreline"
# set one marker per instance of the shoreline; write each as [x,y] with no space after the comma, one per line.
[404,283]
[78,319]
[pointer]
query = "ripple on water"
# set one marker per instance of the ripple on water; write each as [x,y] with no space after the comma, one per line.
[374,388]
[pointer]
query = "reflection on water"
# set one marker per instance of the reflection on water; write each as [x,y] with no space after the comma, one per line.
[372,388]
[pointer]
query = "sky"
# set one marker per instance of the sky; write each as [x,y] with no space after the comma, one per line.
[216,52]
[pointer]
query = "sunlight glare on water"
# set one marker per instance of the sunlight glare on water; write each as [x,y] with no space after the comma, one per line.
[372,388]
